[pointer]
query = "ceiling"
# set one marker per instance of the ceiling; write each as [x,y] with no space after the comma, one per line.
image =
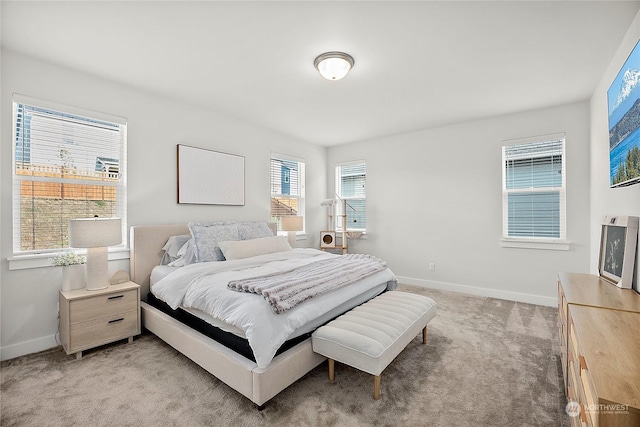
[418,64]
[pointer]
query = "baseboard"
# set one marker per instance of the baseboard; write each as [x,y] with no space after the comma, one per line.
[28,347]
[45,343]
[485,292]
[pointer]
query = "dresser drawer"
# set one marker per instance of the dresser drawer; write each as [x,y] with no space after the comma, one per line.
[104,330]
[99,306]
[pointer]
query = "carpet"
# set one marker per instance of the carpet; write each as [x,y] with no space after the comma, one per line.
[487,362]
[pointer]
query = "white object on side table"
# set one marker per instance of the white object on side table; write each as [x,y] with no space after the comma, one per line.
[95,234]
[291,224]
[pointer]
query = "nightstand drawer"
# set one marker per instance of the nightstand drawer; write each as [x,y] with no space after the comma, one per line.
[104,330]
[99,306]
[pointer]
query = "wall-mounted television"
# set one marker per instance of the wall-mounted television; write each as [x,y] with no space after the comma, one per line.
[618,243]
[624,123]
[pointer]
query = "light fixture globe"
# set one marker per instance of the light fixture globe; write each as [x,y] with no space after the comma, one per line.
[333,65]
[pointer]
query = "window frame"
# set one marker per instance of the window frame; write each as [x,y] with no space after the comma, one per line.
[338,191]
[301,198]
[41,257]
[549,243]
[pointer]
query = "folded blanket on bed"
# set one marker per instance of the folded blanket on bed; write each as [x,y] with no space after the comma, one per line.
[285,290]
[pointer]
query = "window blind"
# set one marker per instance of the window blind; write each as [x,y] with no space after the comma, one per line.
[66,165]
[534,190]
[287,188]
[351,185]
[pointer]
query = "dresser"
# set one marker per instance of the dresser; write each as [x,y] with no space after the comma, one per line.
[92,318]
[599,333]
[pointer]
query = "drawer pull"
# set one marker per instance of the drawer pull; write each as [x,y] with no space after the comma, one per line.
[583,362]
[116,320]
[116,297]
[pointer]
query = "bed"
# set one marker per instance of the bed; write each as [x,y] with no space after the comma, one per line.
[258,378]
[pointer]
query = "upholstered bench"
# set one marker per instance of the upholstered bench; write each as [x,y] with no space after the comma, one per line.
[371,335]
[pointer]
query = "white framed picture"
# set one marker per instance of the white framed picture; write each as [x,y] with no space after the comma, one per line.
[208,177]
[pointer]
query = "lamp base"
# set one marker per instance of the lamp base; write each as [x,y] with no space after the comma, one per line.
[97,269]
[291,238]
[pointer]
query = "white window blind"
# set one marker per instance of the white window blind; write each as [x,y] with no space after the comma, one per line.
[534,194]
[287,188]
[351,185]
[66,165]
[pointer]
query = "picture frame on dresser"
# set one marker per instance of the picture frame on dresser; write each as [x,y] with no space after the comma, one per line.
[618,250]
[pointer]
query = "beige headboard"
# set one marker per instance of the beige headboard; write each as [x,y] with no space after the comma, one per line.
[146,249]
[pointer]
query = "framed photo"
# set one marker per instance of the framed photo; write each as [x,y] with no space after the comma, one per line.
[207,177]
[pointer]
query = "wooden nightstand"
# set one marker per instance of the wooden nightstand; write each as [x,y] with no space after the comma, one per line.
[92,318]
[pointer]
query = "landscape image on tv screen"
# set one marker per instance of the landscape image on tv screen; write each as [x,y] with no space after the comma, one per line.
[624,123]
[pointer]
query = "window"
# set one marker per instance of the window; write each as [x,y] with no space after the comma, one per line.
[67,164]
[287,188]
[351,185]
[533,189]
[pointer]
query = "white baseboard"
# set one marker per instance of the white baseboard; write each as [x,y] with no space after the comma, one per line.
[485,292]
[45,343]
[28,347]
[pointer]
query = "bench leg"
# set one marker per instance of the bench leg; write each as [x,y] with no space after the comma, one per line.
[376,387]
[424,335]
[331,369]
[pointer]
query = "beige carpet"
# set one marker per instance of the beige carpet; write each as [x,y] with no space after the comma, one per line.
[488,362]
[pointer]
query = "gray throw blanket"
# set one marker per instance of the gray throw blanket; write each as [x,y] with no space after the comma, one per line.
[285,290]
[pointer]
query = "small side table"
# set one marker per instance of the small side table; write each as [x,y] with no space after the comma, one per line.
[92,318]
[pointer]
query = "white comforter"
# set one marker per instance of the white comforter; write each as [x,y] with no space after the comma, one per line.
[203,286]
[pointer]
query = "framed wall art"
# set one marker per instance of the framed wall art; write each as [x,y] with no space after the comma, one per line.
[208,177]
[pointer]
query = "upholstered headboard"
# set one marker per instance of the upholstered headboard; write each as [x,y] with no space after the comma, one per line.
[146,249]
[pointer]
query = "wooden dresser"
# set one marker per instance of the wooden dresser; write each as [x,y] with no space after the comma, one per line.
[599,333]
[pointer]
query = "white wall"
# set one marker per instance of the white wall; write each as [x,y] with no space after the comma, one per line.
[155,125]
[605,200]
[435,196]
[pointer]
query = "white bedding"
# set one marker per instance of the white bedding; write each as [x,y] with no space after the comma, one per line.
[203,286]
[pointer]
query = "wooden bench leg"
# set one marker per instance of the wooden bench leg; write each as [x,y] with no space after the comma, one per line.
[331,369]
[376,387]
[424,335]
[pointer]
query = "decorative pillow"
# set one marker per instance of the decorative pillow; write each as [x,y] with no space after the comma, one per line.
[254,230]
[171,248]
[248,248]
[186,255]
[207,236]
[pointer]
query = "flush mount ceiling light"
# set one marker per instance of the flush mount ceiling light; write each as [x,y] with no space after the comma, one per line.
[333,65]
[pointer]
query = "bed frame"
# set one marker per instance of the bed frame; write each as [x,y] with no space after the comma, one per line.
[238,372]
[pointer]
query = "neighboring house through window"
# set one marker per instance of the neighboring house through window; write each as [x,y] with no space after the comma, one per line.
[351,185]
[287,187]
[534,189]
[68,163]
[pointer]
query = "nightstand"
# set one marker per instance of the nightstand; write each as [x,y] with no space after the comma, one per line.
[92,318]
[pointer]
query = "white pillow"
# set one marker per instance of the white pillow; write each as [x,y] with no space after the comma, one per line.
[247,248]
[171,248]
[207,236]
[186,255]
[253,230]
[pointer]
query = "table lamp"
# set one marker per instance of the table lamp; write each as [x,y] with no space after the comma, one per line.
[291,224]
[95,234]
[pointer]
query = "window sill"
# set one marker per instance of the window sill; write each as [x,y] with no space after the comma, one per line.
[23,262]
[551,245]
[363,236]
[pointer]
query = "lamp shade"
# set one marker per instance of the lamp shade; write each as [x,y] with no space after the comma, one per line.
[94,232]
[333,65]
[291,223]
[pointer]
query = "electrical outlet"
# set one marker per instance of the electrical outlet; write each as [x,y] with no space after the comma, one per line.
[432,266]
